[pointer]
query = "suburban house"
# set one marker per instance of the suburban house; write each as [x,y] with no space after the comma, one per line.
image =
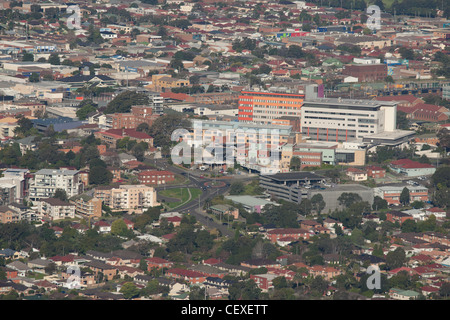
[159,263]
[375,172]
[356,174]
[293,234]
[98,267]
[397,216]
[264,281]
[190,276]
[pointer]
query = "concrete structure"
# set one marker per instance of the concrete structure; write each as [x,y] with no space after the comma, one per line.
[289,186]
[263,107]
[412,168]
[131,120]
[250,203]
[132,198]
[330,119]
[331,195]
[87,206]
[392,193]
[47,181]
[56,209]
[155,177]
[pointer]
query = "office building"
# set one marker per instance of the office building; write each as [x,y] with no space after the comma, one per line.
[339,120]
[262,107]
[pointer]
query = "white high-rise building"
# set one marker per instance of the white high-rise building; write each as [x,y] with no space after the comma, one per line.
[341,120]
[47,181]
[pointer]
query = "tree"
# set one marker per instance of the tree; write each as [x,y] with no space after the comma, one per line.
[85,107]
[405,196]
[379,203]
[129,290]
[27,56]
[406,53]
[236,188]
[295,164]
[60,194]
[100,176]
[395,259]
[163,128]
[122,102]
[34,77]
[402,120]
[318,203]
[119,228]
[54,59]
[346,199]
[244,290]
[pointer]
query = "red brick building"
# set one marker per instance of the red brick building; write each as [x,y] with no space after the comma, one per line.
[366,72]
[159,263]
[187,275]
[155,177]
[138,115]
[375,172]
[295,233]
[397,216]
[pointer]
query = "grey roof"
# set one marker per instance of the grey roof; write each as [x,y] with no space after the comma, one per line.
[18,265]
[57,171]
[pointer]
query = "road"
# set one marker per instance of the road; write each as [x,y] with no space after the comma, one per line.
[195,206]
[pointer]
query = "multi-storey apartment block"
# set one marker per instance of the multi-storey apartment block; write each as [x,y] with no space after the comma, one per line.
[47,181]
[56,209]
[133,198]
[87,206]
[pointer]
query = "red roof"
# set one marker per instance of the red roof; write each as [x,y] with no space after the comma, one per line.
[128,133]
[157,260]
[211,261]
[185,273]
[410,164]
[287,231]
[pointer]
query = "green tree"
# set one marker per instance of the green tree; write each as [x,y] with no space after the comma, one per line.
[34,77]
[119,228]
[295,164]
[122,102]
[60,194]
[27,56]
[244,290]
[318,203]
[129,290]
[405,196]
[54,59]
[85,107]
[379,203]
[395,259]
[100,176]
[236,188]
[346,199]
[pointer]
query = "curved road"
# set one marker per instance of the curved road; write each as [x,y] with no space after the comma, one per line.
[195,206]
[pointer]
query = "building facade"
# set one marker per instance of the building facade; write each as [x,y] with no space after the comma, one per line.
[47,181]
[133,198]
[264,107]
[340,120]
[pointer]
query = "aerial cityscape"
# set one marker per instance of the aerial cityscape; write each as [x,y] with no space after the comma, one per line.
[222,150]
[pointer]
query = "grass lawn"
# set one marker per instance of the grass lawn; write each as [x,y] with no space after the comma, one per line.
[184,194]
